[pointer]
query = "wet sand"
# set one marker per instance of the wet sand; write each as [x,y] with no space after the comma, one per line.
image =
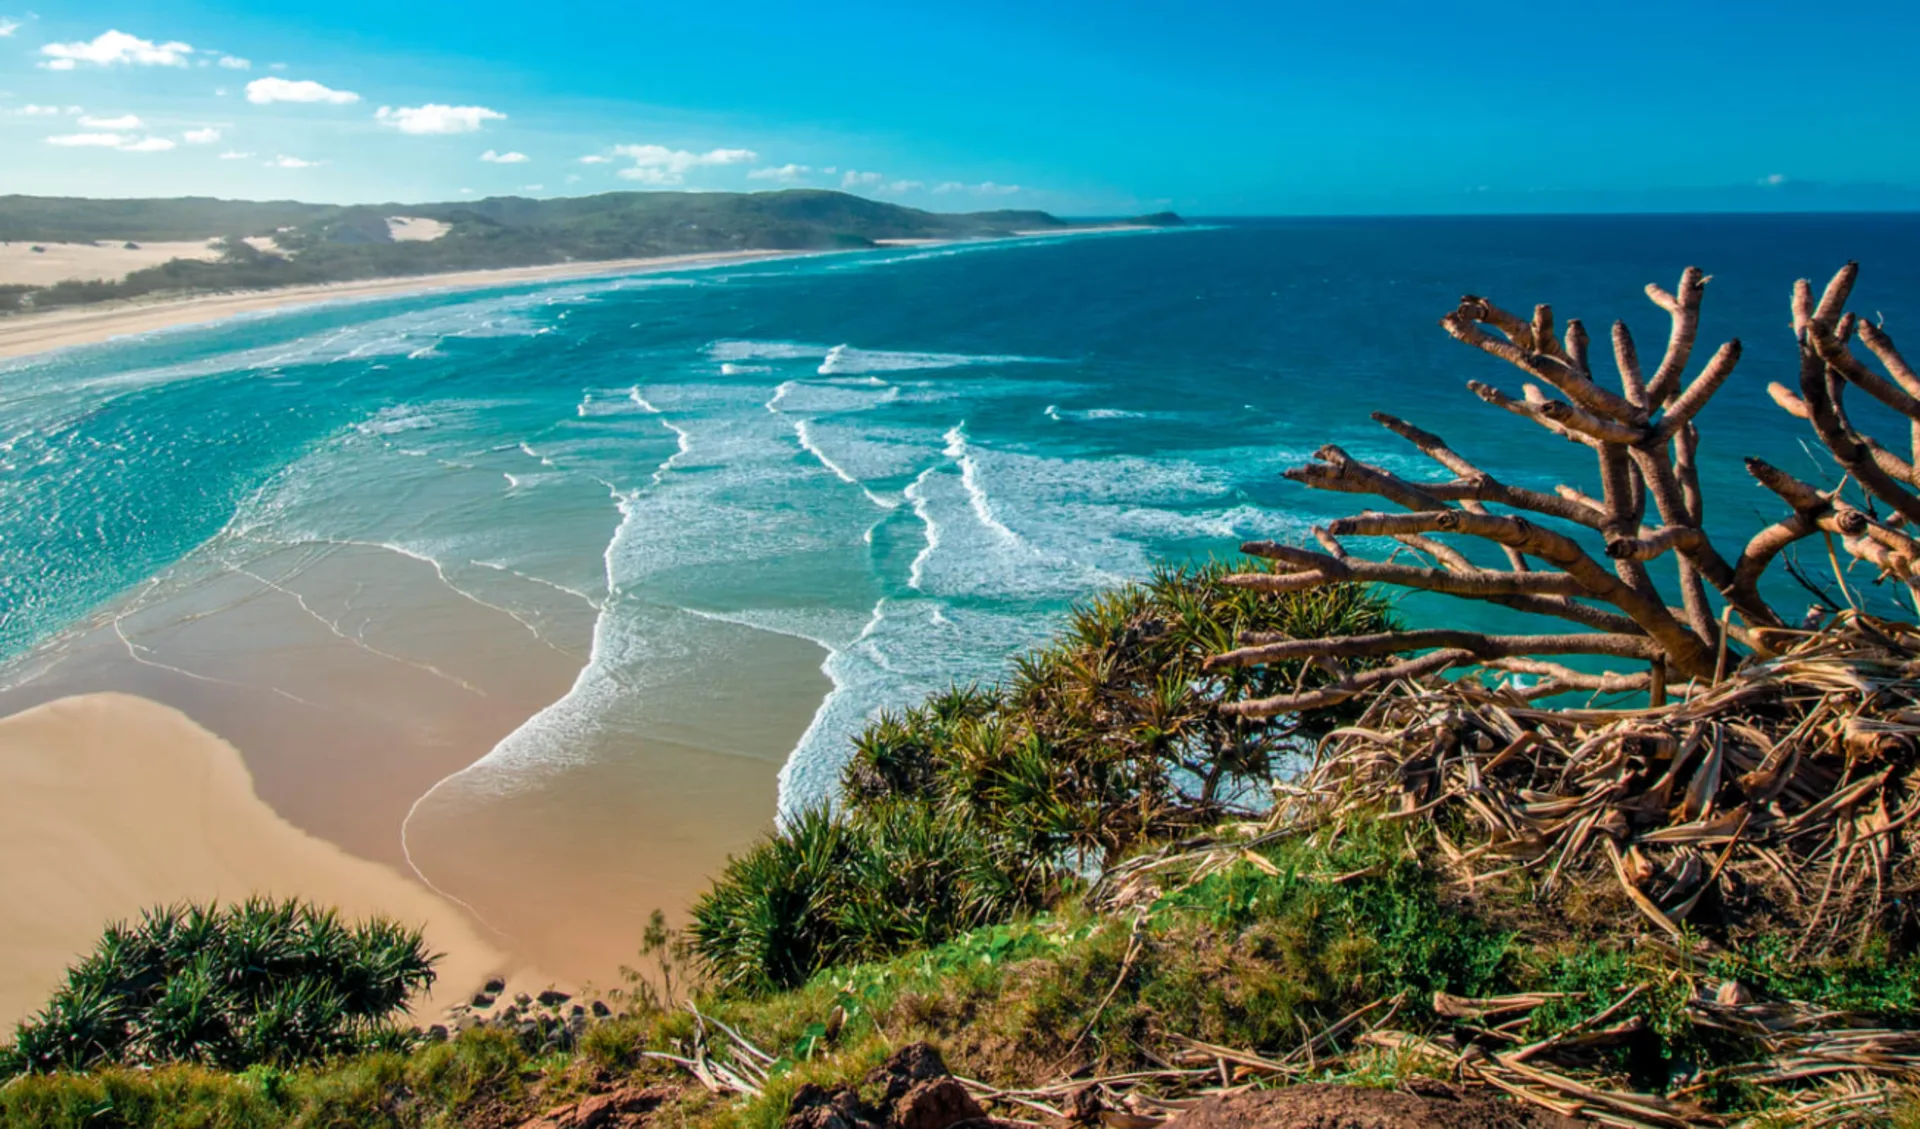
[352,680]
[110,803]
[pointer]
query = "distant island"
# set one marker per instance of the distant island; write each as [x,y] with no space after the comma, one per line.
[199,244]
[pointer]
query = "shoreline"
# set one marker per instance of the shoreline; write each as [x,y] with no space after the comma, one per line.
[25,335]
[375,740]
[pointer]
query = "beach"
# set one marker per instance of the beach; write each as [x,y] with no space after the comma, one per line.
[25,334]
[501,644]
[110,803]
[343,770]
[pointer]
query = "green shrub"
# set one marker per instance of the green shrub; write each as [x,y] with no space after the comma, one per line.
[980,804]
[259,982]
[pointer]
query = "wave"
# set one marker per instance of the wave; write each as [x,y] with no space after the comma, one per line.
[849,360]
[958,450]
[393,421]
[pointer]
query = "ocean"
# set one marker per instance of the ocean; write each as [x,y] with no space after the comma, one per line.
[914,459]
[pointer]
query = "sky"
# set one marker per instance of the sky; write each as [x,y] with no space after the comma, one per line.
[1077,107]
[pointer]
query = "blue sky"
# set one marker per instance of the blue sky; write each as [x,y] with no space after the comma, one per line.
[1079,108]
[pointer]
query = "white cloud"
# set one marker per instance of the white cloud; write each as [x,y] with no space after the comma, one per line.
[494,158]
[466,192]
[1774,179]
[594,159]
[89,140]
[857,179]
[219,92]
[32,111]
[8,27]
[662,167]
[112,47]
[285,162]
[265,91]
[276,66]
[124,142]
[947,186]
[831,170]
[236,63]
[904,186]
[785,174]
[436,118]
[201,136]
[534,188]
[124,122]
[573,178]
[234,156]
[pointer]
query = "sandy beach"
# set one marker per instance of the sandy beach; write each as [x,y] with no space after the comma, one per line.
[25,334]
[111,803]
[353,691]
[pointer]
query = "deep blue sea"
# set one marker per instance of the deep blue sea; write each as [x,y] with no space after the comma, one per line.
[914,457]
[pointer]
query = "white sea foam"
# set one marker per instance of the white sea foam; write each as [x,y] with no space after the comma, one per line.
[848,360]
[392,421]
[958,450]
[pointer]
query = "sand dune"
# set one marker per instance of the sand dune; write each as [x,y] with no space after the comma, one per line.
[21,265]
[110,803]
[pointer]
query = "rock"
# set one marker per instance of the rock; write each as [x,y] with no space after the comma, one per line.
[481,999]
[624,1108]
[914,1063]
[508,1014]
[1321,1106]
[601,1010]
[437,1033]
[937,1103]
[576,1009]
[495,986]
[523,999]
[814,1107]
[553,998]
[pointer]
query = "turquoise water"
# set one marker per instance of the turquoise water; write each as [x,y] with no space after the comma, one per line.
[916,458]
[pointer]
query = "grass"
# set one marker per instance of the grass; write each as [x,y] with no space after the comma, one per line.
[1250,957]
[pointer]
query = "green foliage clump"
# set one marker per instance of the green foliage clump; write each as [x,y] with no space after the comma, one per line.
[983,803]
[258,982]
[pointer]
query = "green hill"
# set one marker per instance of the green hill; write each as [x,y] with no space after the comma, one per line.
[333,243]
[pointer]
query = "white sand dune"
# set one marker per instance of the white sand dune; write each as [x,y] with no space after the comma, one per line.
[21,265]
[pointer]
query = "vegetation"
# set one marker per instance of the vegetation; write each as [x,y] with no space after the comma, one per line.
[982,803]
[255,983]
[1260,955]
[326,243]
[1096,880]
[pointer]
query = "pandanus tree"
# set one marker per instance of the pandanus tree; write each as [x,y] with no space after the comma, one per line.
[1589,558]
